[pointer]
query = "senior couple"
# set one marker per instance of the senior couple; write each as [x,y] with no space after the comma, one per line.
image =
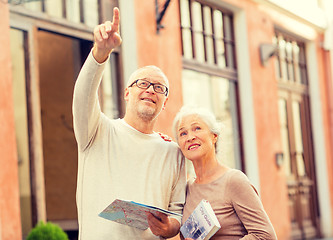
[126,159]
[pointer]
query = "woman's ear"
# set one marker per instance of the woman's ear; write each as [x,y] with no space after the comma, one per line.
[215,137]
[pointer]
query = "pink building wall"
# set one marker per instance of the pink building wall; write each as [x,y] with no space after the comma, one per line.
[10,224]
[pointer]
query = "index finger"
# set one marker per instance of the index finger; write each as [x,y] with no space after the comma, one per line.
[116,20]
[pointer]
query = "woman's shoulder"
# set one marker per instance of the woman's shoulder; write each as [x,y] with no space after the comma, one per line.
[236,177]
[235,173]
[238,181]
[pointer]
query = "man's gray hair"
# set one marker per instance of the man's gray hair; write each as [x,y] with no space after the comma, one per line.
[205,115]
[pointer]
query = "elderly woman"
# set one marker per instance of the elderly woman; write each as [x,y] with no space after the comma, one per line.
[234,200]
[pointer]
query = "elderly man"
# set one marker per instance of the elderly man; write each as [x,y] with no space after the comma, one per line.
[124,158]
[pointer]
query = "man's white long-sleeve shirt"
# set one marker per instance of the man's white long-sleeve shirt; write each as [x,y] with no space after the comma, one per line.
[117,161]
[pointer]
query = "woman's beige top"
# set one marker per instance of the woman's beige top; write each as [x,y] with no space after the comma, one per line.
[236,205]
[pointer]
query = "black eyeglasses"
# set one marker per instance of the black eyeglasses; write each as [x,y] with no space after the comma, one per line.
[144,84]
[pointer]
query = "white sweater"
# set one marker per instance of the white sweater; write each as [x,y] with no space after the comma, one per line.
[117,161]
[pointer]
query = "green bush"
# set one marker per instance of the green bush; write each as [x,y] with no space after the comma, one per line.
[47,231]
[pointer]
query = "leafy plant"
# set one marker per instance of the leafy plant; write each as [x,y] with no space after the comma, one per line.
[47,231]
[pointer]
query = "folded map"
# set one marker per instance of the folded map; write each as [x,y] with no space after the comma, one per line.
[131,213]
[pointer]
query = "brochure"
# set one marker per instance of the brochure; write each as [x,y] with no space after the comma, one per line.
[202,224]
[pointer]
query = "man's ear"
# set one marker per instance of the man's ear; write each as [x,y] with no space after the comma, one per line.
[126,93]
[163,107]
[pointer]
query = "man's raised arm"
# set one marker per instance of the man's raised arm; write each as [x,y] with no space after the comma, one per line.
[86,109]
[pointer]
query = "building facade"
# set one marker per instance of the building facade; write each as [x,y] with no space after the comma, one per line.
[264,67]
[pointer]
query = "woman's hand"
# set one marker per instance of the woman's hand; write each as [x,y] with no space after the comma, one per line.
[165,137]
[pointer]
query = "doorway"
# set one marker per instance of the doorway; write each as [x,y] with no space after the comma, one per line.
[299,164]
[60,60]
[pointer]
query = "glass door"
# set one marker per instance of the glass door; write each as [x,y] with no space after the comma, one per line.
[299,164]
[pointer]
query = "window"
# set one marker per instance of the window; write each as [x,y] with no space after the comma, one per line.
[218,95]
[77,11]
[291,72]
[207,34]
[209,76]
[290,63]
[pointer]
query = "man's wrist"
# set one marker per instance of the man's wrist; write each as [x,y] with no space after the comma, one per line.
[173,230]
[100,56]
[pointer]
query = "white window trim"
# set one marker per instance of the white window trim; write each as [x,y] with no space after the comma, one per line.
[319,142]
[246,99]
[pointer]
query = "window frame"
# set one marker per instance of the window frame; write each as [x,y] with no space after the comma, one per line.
[227,72]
